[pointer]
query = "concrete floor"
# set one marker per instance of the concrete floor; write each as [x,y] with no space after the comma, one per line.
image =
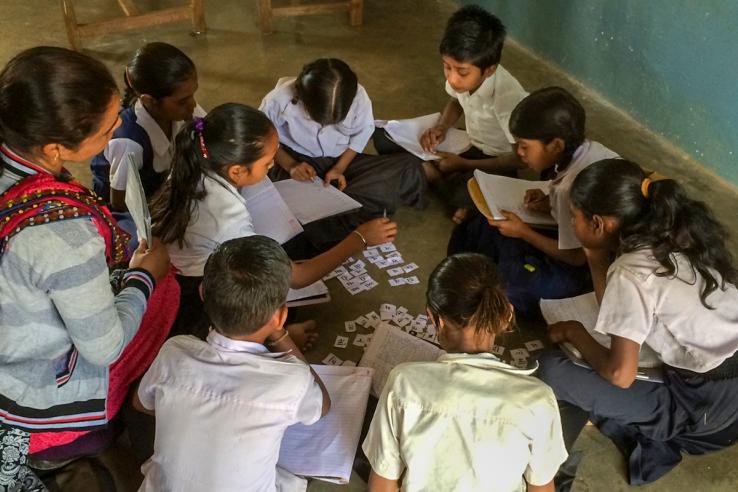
[395,56]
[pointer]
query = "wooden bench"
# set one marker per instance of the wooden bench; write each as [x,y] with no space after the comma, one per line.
[133,19]
[267,12]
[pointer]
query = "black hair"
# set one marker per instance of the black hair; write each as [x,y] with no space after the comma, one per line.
[156,69]
[474,36]
[52,95]
[466,289]
[245,281]
[667,221]
[547,114]
[326,88]
[233,134]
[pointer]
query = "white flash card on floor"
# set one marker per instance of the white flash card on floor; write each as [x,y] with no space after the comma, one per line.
[396,271]
[519,353]
[361,340]
[396,260]
[350,326]
[410,267]
[361,320]
[358,265]
[371,253]
[402,311]
[387,247]
[341,342]
[372,315]
[534,345]
[520,363]
[350,259]
[498,349]
[382,263]
[393,254]
[353,290]
[332,360]
[395,282]
[387,311]
[375,259]
[412,280]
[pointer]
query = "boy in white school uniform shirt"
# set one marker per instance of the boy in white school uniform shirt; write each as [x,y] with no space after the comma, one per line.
[222,405]
[484,93]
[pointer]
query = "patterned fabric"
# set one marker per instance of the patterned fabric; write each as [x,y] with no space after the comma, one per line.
[43,198]
[15,475]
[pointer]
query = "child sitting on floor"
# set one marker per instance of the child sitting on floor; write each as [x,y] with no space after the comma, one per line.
[324,120]
[484,93]
[468,421]
[222,405]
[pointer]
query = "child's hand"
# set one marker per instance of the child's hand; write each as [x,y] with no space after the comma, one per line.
[560,332]
[537,201]
[513,226]
[302,172]
[154,260]
[432,137]
[378,231]
[334,175]
[451,163]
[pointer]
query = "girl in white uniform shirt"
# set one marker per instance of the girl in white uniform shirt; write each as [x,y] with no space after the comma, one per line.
[548,126]
[199,206]
[324,119]
[671,287]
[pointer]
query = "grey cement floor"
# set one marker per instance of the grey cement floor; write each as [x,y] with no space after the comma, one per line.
[395,56]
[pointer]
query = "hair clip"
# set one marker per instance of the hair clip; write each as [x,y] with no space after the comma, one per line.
[651,178]
[200,127]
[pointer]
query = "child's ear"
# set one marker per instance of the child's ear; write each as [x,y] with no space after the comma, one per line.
[147,99]
[556,146]
[236,173]
[489,71]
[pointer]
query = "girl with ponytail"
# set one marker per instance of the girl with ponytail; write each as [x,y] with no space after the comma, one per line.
[666,284]
[548,126]
[200,206]
[499,425]
[160,82]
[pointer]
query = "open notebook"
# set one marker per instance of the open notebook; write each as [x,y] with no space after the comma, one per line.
[407,133]
[136,202]
[312,200]
[269,213]
[584,308]
[491,193]
[316,293]
[391,346]
[326,449]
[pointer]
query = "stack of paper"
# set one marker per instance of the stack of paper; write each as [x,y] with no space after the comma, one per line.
[503,193]
[326,449]
[407,133]
[316,293]
[136,202]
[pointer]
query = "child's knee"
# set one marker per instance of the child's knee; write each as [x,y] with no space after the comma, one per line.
[552,367]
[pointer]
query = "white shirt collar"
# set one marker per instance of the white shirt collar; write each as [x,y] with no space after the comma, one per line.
[224,344]
[487,89]
[486,360]
[159,142]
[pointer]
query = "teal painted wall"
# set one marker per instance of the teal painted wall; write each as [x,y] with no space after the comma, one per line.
[672,64]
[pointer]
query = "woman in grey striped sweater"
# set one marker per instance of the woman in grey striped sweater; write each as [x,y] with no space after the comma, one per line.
[62,329]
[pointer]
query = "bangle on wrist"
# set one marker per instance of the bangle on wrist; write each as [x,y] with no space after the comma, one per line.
[361,236]
[282,337]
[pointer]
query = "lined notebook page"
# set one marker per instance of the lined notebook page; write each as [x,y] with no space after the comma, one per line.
[312,200]
[391,346]
[326,449]
[501,192]
[269,212]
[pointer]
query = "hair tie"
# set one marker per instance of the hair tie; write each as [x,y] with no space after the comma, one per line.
[651,178]
[199,128]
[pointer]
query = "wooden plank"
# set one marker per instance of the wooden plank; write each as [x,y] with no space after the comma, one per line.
[128,8]
[70,23]
[323,8]
[136,22]
[198,17]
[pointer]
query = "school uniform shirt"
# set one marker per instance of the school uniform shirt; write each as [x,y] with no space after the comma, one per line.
[487,111]
[666,314]
[467,422]
[587,153]
[221,409]
[139,134]
[220,216]
[303,135]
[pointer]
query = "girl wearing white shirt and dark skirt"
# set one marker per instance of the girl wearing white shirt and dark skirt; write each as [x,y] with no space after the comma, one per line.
[200,207]
[665,280]
[324,119]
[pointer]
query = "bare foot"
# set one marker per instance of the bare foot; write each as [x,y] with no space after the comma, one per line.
[303,334]
[460,215]
[432,174]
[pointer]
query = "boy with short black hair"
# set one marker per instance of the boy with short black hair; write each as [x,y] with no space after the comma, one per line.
[222,405]
[484,93]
